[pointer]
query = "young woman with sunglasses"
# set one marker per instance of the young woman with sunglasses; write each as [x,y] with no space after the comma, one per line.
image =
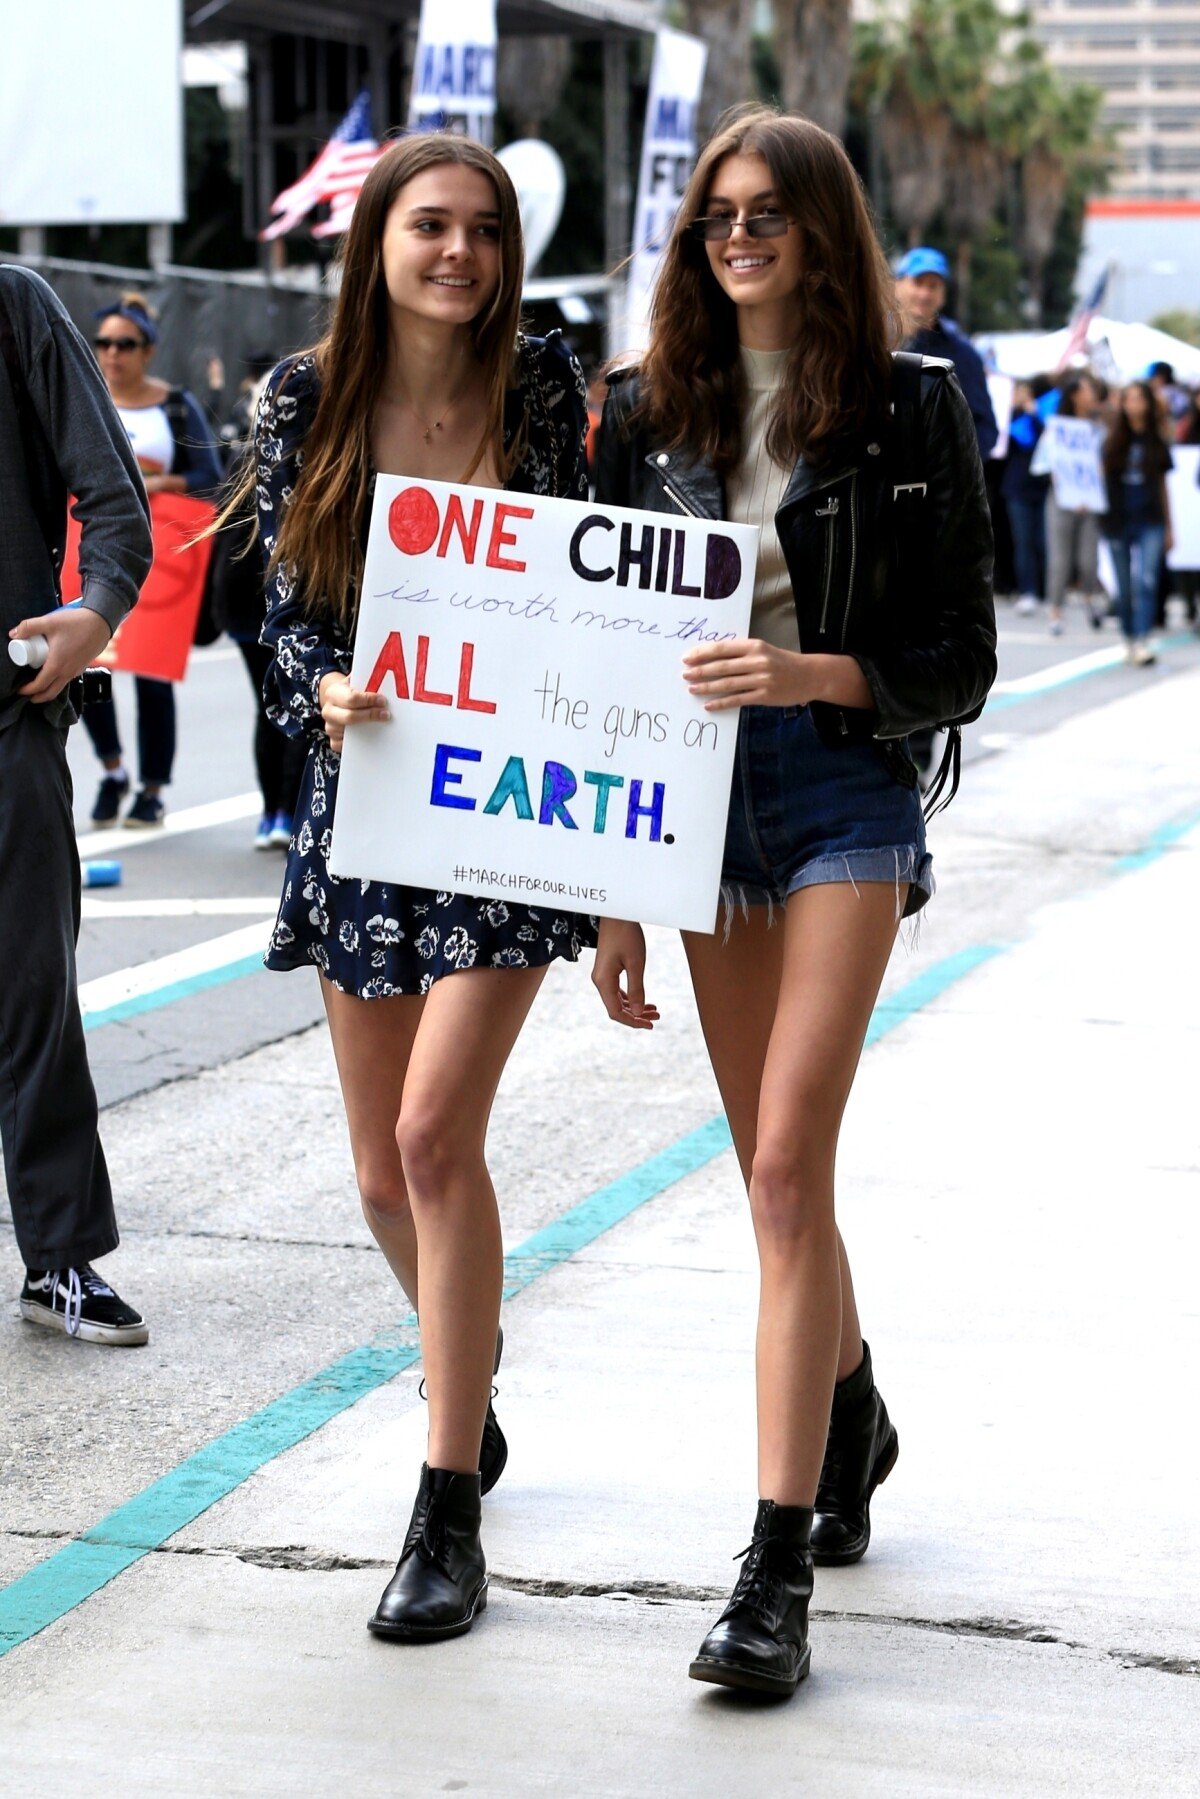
[764,397]
[423,373]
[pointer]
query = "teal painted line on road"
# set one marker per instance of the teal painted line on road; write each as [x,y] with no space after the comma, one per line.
[1000,702]
[1163,839]
[76,1572]
[924,988]
[174,990]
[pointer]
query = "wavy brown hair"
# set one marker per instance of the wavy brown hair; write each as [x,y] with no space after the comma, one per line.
[838,378]
[321,532]
[1120,439]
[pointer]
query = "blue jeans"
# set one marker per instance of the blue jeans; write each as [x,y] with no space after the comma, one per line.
[1027,522]
[803,815]
[1137,598]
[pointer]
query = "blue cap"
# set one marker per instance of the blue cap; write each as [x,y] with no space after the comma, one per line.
[923,261]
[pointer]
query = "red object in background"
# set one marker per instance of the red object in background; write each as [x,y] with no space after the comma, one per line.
[157,637]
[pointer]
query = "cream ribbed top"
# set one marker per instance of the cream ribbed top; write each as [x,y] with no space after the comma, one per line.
[753,492]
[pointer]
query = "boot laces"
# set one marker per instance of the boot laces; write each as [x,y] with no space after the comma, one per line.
[759,1587]
[430,1542]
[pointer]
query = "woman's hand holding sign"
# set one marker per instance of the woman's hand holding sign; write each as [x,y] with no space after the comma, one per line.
[745,671]
[342,705]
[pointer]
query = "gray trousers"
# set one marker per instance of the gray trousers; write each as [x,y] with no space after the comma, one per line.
[58,1185]
[1072,543]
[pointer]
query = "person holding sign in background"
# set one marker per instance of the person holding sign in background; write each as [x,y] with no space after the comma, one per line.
[177,453]
[1138,526]
[764,397]
[1069,452]
[423,373]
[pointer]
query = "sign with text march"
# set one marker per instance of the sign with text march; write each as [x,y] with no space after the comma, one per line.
[542,747]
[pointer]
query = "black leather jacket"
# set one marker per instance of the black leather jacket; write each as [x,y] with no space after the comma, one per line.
[924,636]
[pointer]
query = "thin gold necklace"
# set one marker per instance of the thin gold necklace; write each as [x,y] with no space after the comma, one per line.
[426,427]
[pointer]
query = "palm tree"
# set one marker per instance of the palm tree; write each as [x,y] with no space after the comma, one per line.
[727,27]
[1063,149]
[813,47]
[531,75]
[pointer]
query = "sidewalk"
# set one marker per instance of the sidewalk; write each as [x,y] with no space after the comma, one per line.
[1018,1192]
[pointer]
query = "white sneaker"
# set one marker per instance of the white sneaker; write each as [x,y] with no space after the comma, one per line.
[1143,653]
[1026,604]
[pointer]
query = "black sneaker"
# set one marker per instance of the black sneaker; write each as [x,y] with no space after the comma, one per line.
[81,1303]
[146,811]
[109,794]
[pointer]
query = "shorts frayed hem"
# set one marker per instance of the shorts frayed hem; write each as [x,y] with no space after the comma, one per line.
[899,866]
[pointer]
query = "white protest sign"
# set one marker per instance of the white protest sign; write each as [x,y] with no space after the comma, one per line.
[668,156]
[542,746]
[1185,506]
[1073,448]
[1000,392]
[454,69]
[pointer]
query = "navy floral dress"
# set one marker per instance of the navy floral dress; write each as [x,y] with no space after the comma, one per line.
[371,938]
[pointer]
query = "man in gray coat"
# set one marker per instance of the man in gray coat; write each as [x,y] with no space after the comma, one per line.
[59,436]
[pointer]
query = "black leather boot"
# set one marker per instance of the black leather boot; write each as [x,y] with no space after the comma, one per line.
[760,1641]
[493,1450]
[860,1454]
[440,1584]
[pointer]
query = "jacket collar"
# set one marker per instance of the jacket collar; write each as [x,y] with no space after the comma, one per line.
[700,487]
[693,478]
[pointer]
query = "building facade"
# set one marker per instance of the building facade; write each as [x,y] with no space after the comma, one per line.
[1145,55]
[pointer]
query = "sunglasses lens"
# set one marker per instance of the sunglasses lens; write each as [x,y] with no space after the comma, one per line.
[767,224]
[114,343]
[711,231]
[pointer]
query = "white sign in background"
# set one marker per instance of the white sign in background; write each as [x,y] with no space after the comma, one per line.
[1073,452]
[542,746]
[454,69]
[91,113]
[668,157]
[1185,506]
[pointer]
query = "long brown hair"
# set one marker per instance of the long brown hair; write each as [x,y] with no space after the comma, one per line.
[838,377]
[321,532]
[1119,442]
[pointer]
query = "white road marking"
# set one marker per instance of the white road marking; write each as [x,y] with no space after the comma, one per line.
[188,969]
[114,843]
[256,907]
[1042,679]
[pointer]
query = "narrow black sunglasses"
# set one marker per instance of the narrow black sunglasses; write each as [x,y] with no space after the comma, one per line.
[116,343]
[763,224]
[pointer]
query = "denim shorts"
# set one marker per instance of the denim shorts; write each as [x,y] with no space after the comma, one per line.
[803,815]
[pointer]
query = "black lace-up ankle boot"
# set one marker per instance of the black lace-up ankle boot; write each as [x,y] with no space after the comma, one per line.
[860,1454]
[760,1641]
[440,1584]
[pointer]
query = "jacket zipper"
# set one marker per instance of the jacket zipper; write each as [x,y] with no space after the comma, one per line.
[679,500]
[853,558]
[829,512]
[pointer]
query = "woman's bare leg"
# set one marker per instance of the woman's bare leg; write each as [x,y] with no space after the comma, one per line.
[737,986]
[470,1023]
[372,1042]
[836,948]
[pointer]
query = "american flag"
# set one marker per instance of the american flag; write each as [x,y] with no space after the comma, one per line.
[1081,323]
[333,179]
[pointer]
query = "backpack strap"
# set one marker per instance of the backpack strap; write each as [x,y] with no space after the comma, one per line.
[909,429]
[909,490]
[47,491]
